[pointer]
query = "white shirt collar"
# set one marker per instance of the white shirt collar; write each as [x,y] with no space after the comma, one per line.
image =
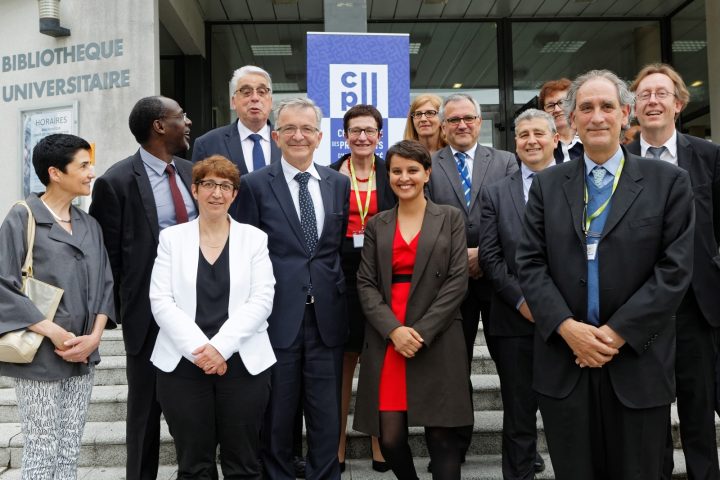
[671,145]
[290,171]
[245,132]
[470,152]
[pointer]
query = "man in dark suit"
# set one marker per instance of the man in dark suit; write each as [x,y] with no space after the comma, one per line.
[551,99]
[247,140]
[511,322]
[135,199]
[661,95]
[303,208]
[604,261]
[459,171]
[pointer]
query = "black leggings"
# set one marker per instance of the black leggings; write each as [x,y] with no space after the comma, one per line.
[442,442]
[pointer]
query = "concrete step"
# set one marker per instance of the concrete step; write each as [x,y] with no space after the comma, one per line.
[112,343]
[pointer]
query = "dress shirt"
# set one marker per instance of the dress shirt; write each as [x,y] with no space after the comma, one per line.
[566,148]
[248,144]
[469,160]
[313,187]
[670,153]
[611,166]
[155,169]
[527,177]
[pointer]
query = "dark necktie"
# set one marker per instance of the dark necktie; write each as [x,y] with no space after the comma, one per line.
[258,157]
[181,214]
[464,175]
[308,223]
[655,152]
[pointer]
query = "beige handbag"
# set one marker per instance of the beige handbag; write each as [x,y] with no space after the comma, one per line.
[21,346]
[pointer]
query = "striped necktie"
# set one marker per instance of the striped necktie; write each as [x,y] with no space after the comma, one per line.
[464,175]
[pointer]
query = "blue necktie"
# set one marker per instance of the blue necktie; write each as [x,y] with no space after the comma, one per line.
[258,157]
[308,223]
[464,175]
[598,176]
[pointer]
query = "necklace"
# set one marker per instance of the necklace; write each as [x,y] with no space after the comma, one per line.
[362,180]
[55,216]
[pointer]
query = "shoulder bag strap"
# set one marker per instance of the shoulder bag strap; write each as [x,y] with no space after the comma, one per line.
[27,271]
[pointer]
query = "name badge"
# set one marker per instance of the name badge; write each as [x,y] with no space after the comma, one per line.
[591,251]
[358,240]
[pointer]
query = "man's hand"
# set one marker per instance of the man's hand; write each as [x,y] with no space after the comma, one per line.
[525,312]
[590,345]
[474,267]
[611,338]
[407,341]
[210,360]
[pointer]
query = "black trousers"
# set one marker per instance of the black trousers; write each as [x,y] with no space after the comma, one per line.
[204,411]
[592,436]
[514,361]
[143,414]
[310,370]
[697,348]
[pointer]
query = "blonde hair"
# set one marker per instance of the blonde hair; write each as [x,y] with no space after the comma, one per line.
[410,132]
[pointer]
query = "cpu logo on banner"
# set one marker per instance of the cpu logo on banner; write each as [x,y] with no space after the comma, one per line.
[352,85]
[344,70]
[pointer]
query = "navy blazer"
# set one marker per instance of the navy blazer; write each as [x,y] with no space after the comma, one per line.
[501,226]
[124,205]
[265,202]
[645,255]
[701,159]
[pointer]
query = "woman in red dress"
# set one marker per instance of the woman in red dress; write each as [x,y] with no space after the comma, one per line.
[411,282]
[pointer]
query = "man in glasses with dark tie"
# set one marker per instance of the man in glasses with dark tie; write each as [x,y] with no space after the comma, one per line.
[134,200]
[661,95]
[604,261]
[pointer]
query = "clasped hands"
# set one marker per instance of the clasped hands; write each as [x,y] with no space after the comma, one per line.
[71,348]
[210,360]
[407,341]
[593,346]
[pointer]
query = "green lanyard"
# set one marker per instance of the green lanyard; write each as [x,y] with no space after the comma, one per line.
[602,207]
[362,211]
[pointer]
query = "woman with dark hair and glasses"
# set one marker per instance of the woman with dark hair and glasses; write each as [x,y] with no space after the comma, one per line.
[369,193]
[53,391]
[211,293]
[411,281]
[423,123]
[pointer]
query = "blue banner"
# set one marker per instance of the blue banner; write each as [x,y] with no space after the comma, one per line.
[344,70]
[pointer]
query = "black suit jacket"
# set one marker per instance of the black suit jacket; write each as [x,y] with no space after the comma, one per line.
[124,205]
[701,159]
[501,226]
[265,202]
[576,152]
[645,256]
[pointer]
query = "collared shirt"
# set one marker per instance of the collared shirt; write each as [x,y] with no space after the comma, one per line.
[611,166]
[469,160]
[248,144]
[670,153]
[155,169]
[313,187]
[566,148]
[527,177]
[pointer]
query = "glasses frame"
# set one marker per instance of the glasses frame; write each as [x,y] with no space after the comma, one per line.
[418,114]
[289,130]
[183,116]
[550,107]
[205,185]
[357,131]
[467,120]
[659,95]
[247,91]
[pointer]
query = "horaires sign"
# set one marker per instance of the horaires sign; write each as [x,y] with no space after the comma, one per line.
[78,83]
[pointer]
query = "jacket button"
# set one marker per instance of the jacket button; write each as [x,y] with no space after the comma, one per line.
[583,282]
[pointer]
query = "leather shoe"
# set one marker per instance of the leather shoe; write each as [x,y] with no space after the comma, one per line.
[342,466]
[299,464]
[539,463]
[380,466]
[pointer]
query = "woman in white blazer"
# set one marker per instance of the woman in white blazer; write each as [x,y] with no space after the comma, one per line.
[211,293]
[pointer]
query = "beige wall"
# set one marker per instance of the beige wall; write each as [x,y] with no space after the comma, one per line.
[102,113]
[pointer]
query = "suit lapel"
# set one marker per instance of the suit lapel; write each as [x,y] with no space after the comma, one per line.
[481,163]
[684,152]
[146,195]
[574,188]
[634,147]
[234,147]
[624,196]
[326,191]
[282,193]
[429,232]
[516,193]
[449,167]
[385,237]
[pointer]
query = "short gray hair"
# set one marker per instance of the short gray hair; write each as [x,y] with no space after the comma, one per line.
[299,103]
[458,97]
[533,113]
[625,96]
[247,70]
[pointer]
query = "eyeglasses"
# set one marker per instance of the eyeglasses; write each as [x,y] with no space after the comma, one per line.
[549,107]
[210,186]
[182,115]
[428,114]
[370,132]
[468,119]
[659,95]
[247,91]
[289,130]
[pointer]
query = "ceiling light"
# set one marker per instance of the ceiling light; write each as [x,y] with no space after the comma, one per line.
[562,46]
[284,2]
[285,87]
[435,2]
[271,50]
[457,85]
[414,48]
[690,46]
[696,83]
